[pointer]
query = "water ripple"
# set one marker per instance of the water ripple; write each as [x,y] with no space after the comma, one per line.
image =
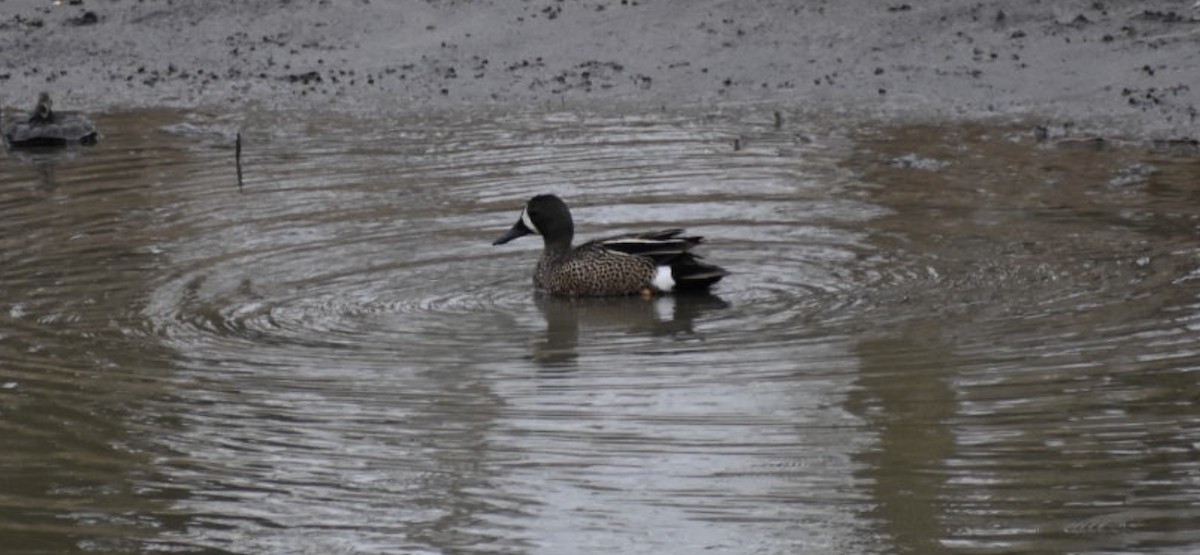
[353,251]
[991,352]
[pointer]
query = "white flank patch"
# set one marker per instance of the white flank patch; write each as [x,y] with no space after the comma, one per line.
[663,280]
[528,222]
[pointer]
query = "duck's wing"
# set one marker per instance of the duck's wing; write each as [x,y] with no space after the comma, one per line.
[661,246]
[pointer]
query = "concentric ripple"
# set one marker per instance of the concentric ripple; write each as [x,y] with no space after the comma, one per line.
[383,246]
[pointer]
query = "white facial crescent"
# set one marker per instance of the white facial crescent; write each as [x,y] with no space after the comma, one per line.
[528,222]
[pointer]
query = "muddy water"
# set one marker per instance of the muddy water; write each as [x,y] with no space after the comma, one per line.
[954,340]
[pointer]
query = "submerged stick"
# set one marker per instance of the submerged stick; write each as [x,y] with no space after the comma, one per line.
[237,158]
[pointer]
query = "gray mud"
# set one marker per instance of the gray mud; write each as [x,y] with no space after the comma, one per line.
[1128,68]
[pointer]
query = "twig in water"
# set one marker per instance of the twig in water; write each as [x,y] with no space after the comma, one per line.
[237,157]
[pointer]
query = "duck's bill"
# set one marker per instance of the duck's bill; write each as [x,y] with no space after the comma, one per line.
[517,230]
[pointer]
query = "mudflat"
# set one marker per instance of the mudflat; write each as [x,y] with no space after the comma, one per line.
[1116,67]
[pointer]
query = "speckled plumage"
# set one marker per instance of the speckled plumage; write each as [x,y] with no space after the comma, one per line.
[621,265]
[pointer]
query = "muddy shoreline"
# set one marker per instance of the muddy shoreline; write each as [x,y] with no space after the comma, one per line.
[1090,66]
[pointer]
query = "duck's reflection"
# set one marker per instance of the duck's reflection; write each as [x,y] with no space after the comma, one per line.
[568,318]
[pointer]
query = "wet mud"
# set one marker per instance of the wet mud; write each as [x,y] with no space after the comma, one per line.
[1110,67]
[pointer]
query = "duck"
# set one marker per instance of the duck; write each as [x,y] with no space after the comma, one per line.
[647,264]
[45,127]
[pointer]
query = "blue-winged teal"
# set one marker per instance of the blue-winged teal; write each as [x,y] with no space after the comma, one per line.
[641,263]
[45,127]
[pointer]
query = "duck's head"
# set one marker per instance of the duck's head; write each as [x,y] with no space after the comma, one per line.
[545,215]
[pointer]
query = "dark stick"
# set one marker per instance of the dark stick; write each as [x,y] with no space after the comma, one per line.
[237,156]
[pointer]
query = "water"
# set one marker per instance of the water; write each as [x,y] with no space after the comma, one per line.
[935,340]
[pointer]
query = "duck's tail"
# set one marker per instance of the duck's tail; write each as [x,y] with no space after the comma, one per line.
[692,274]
